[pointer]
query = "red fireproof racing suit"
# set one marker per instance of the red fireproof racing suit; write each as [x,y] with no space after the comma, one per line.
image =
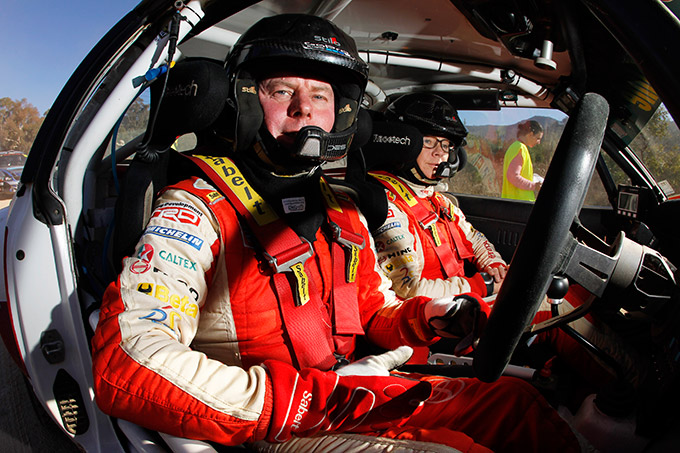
[191,342]
[406,251]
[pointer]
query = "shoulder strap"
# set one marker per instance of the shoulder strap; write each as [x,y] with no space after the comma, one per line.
[345,255]
[286,255]
[463,245]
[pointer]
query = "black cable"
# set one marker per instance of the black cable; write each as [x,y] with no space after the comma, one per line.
[142,148]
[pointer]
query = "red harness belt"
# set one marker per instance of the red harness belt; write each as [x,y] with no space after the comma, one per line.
[287,255]
[427,220]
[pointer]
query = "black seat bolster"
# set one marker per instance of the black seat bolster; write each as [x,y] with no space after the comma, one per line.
[143,180]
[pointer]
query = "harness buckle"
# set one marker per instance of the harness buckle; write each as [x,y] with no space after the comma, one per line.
[429,220]
[446,212]
[288,258]
[347,238]
[341,361]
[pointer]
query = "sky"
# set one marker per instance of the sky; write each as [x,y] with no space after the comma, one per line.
[505,117]
[42,42]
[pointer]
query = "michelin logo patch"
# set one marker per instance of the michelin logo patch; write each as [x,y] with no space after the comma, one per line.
[386,227]
[177,235]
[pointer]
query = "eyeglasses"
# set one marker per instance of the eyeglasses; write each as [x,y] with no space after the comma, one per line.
[431,143]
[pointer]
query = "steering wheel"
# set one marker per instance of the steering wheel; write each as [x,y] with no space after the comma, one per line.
[540,251]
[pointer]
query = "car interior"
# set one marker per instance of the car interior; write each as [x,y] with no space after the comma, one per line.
[150,162]
[110,168]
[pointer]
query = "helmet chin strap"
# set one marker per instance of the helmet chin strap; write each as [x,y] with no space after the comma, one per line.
[444,170]
[279,158]
[288,171]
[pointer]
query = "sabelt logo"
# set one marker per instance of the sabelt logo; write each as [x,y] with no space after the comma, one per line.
[300,275]
[303,408]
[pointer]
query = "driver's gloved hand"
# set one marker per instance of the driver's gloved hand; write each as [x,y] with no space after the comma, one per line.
[460,318]
[309,401]
[377,365]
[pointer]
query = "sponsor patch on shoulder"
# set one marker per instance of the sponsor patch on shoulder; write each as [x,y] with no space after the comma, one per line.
[178,213]
[387,227]
[178,235]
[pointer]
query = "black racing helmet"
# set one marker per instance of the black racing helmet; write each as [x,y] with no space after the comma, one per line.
[302,44]
[431,115]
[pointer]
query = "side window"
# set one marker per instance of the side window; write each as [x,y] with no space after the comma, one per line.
[491,133]
[597,195]
[134,121]
[658,146]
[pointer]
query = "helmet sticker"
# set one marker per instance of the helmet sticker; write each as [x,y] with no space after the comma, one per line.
[326,48]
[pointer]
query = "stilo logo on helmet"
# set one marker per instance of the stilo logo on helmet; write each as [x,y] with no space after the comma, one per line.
[325,48]
[327,45]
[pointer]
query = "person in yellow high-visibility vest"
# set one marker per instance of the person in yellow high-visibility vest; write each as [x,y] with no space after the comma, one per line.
[519,180]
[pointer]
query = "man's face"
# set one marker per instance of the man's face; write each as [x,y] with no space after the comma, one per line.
[290,102]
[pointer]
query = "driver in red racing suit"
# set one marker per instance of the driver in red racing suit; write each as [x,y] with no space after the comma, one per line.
[235,322]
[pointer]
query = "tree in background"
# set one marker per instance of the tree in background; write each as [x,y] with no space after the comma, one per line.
[658,146]
[19,124]
[134,122]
